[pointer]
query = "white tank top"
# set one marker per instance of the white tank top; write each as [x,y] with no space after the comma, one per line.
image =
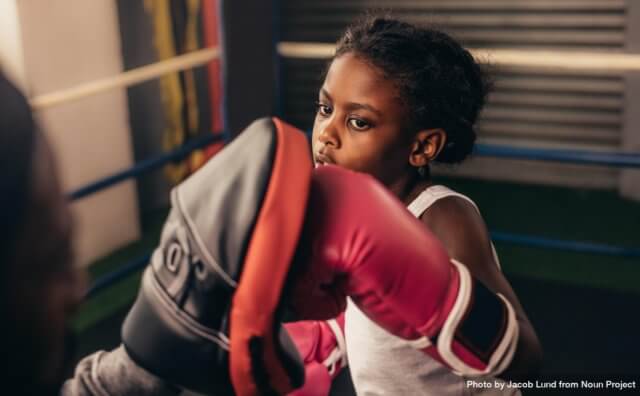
[382,364]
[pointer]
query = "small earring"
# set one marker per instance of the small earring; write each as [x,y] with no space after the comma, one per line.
[422,171]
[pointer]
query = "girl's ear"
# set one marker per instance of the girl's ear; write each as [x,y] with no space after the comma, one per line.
[426,146]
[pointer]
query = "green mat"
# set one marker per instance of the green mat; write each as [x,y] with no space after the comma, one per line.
[572,214]
[597,216]
[113,299]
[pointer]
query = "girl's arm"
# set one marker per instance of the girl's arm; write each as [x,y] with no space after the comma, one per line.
[464,234]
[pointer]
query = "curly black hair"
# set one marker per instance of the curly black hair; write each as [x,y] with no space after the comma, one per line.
[436,77]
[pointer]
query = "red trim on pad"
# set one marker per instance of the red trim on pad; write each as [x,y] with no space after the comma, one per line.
[269,256]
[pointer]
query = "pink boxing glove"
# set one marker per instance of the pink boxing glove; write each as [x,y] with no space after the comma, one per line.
[322,348]
[362,242]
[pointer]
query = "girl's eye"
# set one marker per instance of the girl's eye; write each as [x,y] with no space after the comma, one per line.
[358,124]
[323,109]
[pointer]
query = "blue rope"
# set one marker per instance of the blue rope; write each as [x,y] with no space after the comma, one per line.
[568,156]
[615,159]
[116,276]
[146,165]
[571,156]
[516,239]
[558,244]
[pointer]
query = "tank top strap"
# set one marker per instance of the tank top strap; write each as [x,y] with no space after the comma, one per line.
[431,195]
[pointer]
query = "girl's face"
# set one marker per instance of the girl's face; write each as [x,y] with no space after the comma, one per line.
[361,123]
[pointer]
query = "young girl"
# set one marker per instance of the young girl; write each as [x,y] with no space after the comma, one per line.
[395,98]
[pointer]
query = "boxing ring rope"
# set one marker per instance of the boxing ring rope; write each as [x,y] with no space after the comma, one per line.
[113,277]
[122,80]
[127,78]
[146,165]
[324,51]
[557,244]
[612,158]
[568,61]
[625,160]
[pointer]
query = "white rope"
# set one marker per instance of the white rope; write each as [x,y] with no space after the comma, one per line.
[567,60]
[595,61]
[306,50]
[128,78]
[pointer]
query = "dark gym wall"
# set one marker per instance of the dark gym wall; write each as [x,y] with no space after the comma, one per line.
[249,71]
[145,104]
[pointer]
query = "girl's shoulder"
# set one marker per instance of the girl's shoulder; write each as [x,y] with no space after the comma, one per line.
[438,198]
[456,221]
